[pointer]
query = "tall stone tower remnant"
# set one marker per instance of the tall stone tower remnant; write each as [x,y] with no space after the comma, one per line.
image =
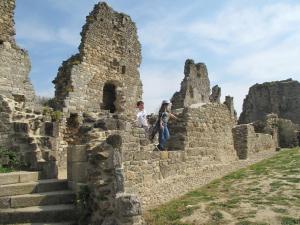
[104,74]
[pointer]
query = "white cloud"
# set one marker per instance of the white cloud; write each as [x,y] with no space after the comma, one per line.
[159,85]
[256,44]
[33,31]
[273,63]
[244,25]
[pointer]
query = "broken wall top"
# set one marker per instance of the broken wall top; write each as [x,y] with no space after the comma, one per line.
[109,54]
[14,61]
[279,97]
[195,87]
[7,30]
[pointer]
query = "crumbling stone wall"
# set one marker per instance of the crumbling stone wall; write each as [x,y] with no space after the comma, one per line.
[104,74]
[7,30]
[247,142]
[215,94]
[279,97]
[201,141]
[195,87]
[32,135]
[230,105]
[5,118]
[123,168]
[283,130]
[14,62]
[95,160]
[204,131]
[14,73]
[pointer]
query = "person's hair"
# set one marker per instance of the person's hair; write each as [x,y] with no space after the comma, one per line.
[163,108]
[139,103]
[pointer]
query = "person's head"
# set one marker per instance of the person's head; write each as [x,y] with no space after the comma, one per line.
[165,106]
[140,105]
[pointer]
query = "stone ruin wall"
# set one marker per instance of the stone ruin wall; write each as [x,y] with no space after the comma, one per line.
[247,142]
[33,136]
[195,87]
[109,52]
[14,62]
[14,73]
[279,97]
[7,23]
[203,143]
[106,151]
[122,168]
[204,130]
[284,131]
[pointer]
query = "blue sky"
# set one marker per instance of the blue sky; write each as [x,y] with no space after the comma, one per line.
[242,42]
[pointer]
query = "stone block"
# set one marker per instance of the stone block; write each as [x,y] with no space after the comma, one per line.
[9,178]
[77,153]
[79,172]
[164,155]
[20,127]
[51,129]
[28,176]
[128,205]
[4,202]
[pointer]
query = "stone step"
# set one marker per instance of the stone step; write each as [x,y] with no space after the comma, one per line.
[18,177]
[64,223]
[33,187]
[38,199]
[39,214]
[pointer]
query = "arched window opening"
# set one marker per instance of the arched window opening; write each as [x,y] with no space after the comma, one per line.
[109,97]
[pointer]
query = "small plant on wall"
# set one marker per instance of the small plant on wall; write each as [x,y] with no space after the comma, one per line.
[8,160]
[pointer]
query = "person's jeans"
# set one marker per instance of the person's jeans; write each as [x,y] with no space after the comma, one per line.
[164,135]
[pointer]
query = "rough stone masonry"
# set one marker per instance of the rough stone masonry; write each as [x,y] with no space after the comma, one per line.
[104,74]
[279,97]
[14,61]
[195,87]
[97,90]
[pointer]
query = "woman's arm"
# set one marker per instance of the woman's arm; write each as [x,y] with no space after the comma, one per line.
[173,116]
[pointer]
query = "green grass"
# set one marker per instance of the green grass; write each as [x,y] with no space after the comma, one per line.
[290,221]
[227,193]
[5,170]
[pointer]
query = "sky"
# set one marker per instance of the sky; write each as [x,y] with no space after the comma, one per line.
[242,42]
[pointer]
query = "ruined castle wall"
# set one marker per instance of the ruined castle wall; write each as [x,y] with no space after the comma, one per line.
[247,142]
[205,130]
[280,97]
[109,53]
[14,70]
[5,126]
[7,31]
[195,87]
[14,62]
[207,145]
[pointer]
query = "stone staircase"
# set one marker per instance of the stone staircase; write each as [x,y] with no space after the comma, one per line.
[35,138]
[24,199]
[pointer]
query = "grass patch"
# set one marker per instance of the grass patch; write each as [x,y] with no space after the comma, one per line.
[289,221]
[276,185]
[279,210]
[246,222]
[5,170]
[217,216]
